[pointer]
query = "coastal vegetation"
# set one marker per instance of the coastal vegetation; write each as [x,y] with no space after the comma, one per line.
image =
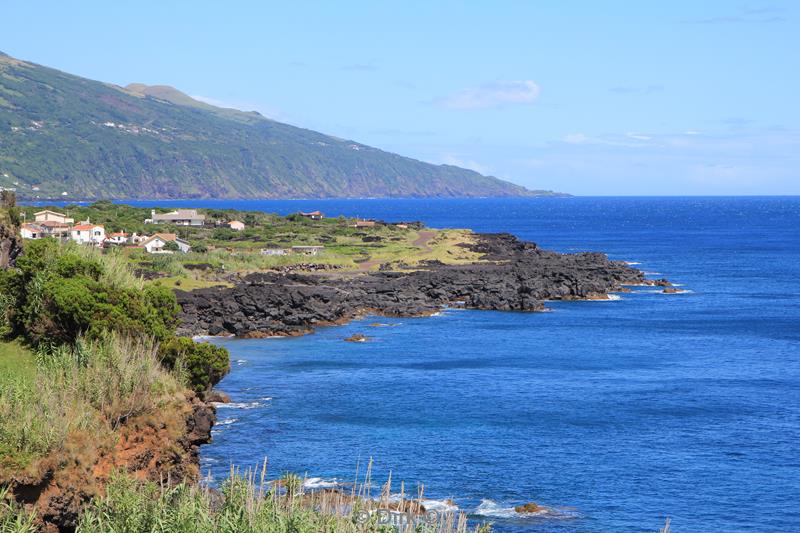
[101,407]
[347,244]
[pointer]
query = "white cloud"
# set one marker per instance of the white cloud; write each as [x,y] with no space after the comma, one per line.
[495,94]
[576,138]
[632,140]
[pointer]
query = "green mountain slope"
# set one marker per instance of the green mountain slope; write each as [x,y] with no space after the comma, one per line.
[62,133]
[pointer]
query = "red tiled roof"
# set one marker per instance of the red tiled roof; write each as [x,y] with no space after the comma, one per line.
[86,227]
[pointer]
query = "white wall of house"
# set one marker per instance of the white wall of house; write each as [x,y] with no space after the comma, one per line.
[154,245]
[28,233]
[157,244]
[94,235]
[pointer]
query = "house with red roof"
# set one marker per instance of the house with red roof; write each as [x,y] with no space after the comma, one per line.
[118,238]
[88,233]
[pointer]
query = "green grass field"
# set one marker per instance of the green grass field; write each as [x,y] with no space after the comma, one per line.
[16,360]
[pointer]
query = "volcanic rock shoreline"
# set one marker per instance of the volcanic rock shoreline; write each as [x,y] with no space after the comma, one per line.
[513,276]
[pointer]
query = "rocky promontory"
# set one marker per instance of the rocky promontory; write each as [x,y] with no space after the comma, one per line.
[512,275]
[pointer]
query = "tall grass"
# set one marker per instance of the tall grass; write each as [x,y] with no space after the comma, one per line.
[244,260]
[93,386]
[13,519]
[115,266]
[250,504]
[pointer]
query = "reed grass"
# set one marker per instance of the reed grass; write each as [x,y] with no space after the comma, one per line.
[91,387]
[115,266]
[249,503]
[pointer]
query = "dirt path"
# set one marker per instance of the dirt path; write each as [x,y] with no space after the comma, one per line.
[366,265]
[422,240]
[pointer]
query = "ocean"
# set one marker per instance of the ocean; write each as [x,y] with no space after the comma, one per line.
[613,414]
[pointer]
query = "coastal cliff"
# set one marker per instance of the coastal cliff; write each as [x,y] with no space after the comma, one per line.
[157,447]
[513,276]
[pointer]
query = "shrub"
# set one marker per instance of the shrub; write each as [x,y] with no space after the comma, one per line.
[224,234]
[199,247]
[58,293]
[203,364]
[172,246]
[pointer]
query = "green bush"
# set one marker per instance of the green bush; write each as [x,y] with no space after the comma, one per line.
[60,292]
[224,234]
[199,247]
[203,364]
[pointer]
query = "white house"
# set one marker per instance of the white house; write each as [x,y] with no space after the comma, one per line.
[119,238]
[179,217]
[88,233]
[273,251]
[31,231]
[236,225]
[54,228]
[52,216]
[137,239]
[156,243]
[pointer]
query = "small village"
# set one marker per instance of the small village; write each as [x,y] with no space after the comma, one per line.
[49,223]
[52,224]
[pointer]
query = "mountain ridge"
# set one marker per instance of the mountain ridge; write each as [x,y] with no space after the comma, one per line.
[61,133]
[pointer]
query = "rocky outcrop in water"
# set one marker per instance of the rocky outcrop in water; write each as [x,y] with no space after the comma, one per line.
[514,276]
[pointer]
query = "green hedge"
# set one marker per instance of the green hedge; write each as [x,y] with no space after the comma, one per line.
[204,364]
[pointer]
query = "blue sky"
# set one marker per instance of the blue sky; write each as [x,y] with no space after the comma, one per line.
[586,97]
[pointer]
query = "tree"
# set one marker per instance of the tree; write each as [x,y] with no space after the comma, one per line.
[172,246]
[205,364]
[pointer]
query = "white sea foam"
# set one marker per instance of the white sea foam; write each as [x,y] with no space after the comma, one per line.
[236,405]
[240,362]
[227,421]
[313,483]
[492,509]
[632,263]
[611,298]
[442,506]
[652,273]
[266,399]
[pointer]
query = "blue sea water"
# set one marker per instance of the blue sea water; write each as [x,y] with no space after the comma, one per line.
[615,414]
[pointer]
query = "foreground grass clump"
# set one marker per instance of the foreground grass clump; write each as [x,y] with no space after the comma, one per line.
[244,505]
[91,387]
